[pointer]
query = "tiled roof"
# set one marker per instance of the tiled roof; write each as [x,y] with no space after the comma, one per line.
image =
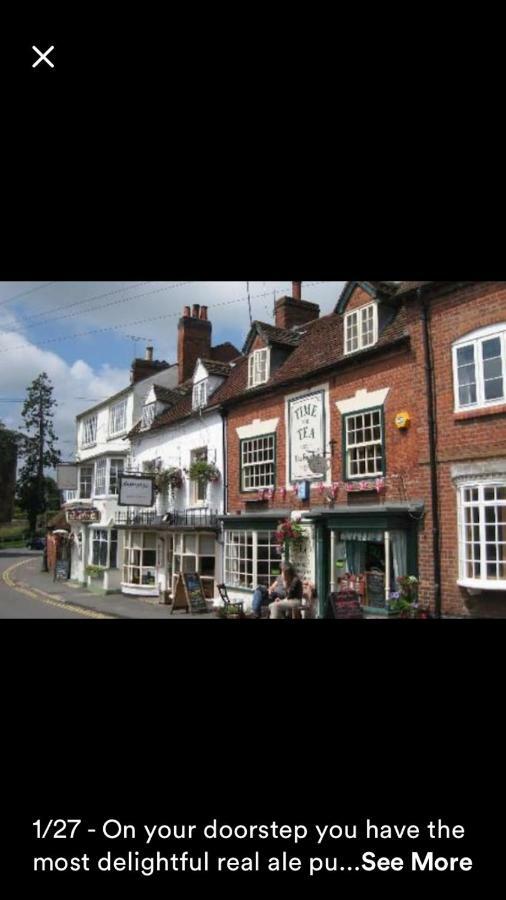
[166,395]
[177,396]
[224,352]
[216,368]
[272,335]
[320,346]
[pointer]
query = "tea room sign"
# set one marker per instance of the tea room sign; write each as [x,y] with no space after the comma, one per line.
[306,427]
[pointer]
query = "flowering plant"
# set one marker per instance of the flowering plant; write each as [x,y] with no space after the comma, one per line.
[288,533]
[404,601]
[201,470]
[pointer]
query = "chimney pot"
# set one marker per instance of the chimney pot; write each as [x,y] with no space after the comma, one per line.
[149,353]
[195,311]
[186,312]
[297,290]
[203,313]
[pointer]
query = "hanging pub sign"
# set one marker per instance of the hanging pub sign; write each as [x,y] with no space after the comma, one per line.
[66,476]
[83,514]
[136,490]
[306,428]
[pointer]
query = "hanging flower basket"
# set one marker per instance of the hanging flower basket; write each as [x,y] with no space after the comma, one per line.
[172,477]
[289,534]
[201,470]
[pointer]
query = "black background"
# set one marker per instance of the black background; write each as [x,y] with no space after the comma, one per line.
[190,156]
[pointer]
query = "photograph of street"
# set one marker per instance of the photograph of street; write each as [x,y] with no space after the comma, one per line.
[287,450]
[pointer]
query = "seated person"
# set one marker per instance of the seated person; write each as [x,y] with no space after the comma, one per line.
[310,597]
[293,593]
[263,595]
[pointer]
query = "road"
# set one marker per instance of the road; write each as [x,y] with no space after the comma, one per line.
[18,600]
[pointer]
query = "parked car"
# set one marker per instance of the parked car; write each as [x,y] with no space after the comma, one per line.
[37,543]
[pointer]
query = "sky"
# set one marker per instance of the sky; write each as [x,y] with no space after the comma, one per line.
[85,334]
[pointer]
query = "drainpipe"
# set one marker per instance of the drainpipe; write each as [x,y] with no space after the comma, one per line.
[431,411]
[225,468]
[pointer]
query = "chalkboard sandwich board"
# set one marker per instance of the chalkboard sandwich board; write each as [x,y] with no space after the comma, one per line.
[189,594]
[375,589]
[62,569]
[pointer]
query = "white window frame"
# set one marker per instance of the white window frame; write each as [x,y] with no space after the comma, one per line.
[98,539]
[199,399]
[89,433]
[101,464]
[148,415]
[237,571]
[91,467]
[467,547]
[187,560]
[198,489]
[114,459]
[476,339]
[259,365]
[134,542]
[360,317]
[375,442]
[114,431]
[258,445]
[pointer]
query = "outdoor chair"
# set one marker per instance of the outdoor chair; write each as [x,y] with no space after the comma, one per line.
[227,602]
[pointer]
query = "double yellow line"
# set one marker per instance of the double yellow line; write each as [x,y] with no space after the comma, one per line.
[37,594]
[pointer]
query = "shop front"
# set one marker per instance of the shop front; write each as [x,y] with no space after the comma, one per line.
[154,556]
[373,546]
[367,549]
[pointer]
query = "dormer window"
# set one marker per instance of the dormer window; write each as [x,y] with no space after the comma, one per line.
[200,394]
[361,328]
[148,415]
[258,367]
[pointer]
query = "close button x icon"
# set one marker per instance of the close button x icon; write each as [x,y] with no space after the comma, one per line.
[42,56]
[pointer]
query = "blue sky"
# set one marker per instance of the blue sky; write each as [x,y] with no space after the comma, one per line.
[84,334]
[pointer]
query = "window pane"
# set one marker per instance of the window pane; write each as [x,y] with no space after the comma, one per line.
[491,348]
[206,544]
[465,355]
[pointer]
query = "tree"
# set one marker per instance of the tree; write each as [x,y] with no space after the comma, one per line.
[39,448]
[8,461]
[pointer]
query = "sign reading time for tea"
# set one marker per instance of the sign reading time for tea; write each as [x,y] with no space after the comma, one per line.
[307,434]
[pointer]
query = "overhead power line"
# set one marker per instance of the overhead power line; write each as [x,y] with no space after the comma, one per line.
[143,321]
[26,293]
[32,324]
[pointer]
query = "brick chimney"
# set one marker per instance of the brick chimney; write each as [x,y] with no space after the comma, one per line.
[193,340]
[293,311]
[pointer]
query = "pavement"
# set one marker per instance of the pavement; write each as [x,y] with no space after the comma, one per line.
[27,592]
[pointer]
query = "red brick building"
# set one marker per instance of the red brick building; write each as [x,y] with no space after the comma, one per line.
[384,423]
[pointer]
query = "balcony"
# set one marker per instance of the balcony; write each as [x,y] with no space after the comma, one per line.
[187,518]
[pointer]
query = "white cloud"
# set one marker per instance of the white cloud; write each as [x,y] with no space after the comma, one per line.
[71,384]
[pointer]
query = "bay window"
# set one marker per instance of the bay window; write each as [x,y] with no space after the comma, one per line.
[115,470]
[104,547]
[479,367]
[139,558]
[100,477]
[251,558]
[482,535]
[85,482]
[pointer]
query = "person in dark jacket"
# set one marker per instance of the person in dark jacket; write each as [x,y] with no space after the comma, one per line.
[293,594]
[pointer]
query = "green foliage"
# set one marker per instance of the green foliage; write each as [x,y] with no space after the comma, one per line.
[95,571]
[38,449]
[201,470]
